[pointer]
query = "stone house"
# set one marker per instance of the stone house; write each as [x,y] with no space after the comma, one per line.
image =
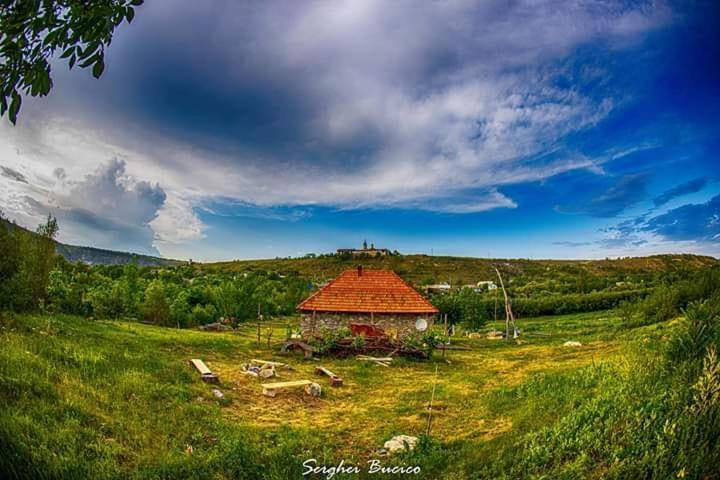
[372,297]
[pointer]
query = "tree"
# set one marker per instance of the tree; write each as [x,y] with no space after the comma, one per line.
[32,32]
[180,310]
[36,254]
[155,307]
[9,263]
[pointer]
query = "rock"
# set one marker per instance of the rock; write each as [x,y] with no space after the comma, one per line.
[474,335]
[218,393]
[400,443]
[267,372]
[572,344]
[313,390]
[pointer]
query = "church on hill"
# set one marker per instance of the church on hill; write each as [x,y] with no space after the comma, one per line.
[372,251]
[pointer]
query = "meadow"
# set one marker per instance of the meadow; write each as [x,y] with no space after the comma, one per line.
[115,399]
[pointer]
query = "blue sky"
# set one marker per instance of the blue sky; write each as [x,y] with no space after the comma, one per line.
[260,129]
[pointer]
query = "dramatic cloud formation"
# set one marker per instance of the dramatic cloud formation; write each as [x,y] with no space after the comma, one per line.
[683,189]
[107,208]
[277,110]
[362,104]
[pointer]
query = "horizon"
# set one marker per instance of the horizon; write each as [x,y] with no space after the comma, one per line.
[440,129]
[426,254]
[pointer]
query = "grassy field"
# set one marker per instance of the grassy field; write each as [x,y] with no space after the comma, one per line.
[113,399]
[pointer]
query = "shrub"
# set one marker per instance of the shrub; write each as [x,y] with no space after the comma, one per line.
[701,329]
[663,304]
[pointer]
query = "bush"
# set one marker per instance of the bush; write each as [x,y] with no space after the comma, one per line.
[700,331]
[663,304]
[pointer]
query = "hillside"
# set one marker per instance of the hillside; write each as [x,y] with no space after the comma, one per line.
[98,256]
[422,269]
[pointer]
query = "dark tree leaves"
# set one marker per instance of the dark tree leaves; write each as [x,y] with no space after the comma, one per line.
[33,32]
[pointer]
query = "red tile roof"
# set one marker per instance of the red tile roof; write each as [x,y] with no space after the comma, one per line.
[376,291]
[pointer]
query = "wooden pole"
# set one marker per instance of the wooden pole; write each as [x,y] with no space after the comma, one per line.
[258,325]
[496,304]
[507,314]
[446,325]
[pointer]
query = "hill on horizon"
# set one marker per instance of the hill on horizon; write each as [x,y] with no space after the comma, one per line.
[417,268]
[99,256]
[423,269]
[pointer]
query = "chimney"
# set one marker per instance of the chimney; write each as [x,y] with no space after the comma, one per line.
[359,270]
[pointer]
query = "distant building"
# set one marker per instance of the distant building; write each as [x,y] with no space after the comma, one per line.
[372,297]
[372,251]
[486,285]
[437,288]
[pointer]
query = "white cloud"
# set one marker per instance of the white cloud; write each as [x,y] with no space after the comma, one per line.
[453,100]
[176,222]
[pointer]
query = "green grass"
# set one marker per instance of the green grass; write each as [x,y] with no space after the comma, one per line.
[111,399]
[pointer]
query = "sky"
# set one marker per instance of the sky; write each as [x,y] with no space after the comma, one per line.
[528,128]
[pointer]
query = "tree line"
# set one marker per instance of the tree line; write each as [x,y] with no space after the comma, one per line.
[33,277]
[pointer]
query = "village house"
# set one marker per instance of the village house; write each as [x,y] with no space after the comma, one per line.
[372,251]
[371,297]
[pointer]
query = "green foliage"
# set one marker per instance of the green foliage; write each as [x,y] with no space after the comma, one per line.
[180,313]
[25,268]
[627,310]
[463,306]
[328,339]
[358,342]
[203,314]
[662,304]
[474,310]
[155,308]
[701,330]
[107,299]
[32,33]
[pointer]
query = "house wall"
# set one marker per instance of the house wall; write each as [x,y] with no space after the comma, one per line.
[395,325]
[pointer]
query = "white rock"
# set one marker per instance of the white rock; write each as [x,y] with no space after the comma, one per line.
[267,372]
[218,393]
[399,443]
[314,390]
[572,344]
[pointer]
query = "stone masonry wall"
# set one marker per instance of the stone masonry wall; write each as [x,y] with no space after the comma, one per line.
[395,325]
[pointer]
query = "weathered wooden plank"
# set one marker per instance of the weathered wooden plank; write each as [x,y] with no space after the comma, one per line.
[271,389]
[267,362]
[335,381]
[294,383]
[200,366]
[374,359]
[205,373]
